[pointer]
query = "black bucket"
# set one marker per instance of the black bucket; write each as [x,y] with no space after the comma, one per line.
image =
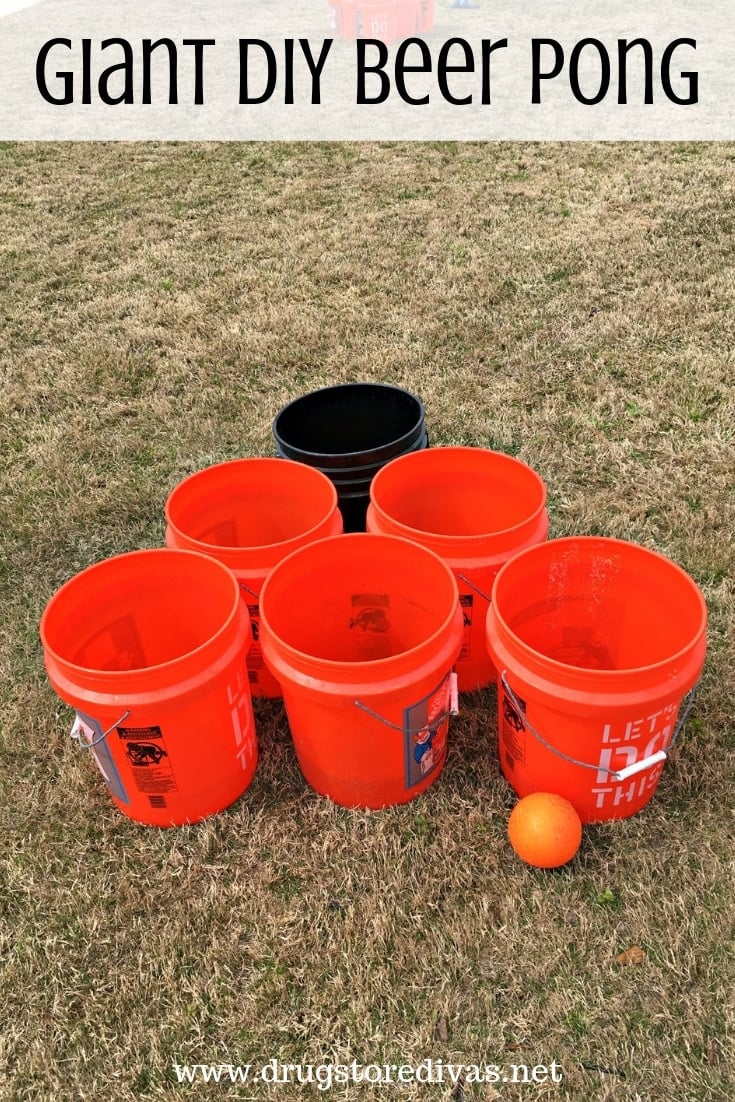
[349,432]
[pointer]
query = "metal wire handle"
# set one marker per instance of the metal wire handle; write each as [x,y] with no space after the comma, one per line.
[453,710]
[476,588]
[83,744]
[617,774]
[248,590]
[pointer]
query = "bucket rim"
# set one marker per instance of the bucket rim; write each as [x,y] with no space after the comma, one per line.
[444,539]
[583,673]
[398,442]
[201,547]
[340,474]
[309,661]
[122,677]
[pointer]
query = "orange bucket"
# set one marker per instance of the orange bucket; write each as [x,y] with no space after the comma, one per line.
[476,509]
[426,16]
[597,643]
[379,19]
[349,19]
[408,18]
[149,648]
[362,632]
[249,514]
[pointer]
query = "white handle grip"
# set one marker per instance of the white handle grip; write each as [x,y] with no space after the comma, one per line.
[453,695]
[639,766]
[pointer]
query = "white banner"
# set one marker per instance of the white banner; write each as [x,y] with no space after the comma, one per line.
[366,69]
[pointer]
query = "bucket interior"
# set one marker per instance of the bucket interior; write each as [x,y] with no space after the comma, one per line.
[139,610]
[599,604]
[358,598]
[458,492]
[349,419]
[250,503]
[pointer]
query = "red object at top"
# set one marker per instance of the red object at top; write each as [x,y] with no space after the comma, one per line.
[387,21]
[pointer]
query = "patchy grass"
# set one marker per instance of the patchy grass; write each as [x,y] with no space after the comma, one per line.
[570,304]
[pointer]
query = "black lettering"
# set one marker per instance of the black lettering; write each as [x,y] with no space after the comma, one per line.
[604,71]
[86,70]
[316,68]
[691,78]
[624,48]
[378,69]
[128,94]
[443,67]
[199,44]
[66,78]
[270,84]
[288,51]
[536,75]
[487,49]
[402,68]
[148,48]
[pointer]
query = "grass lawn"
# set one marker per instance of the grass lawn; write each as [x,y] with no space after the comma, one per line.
[569,304]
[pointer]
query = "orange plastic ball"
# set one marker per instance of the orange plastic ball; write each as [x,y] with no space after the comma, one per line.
[545,830]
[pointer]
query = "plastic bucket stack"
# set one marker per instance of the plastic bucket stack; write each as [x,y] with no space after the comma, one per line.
[594,644]
[346,18]
[379,19]
[249,514]
[149,648]
[389,21]
[596,641]
[386,21]
[362,632]
[476,509]
[349,432]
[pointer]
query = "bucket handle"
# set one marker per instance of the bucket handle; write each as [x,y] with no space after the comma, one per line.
[248,590]
[476,588]
[83,744]
[616,774]
[453,709]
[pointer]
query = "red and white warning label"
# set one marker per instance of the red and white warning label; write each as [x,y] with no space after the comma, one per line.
[148,757]
[466,601]
[512,731]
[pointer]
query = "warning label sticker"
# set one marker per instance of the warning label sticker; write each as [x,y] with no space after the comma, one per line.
[146,752]
[426,724]
[513,731]
[466,601]
[255,654]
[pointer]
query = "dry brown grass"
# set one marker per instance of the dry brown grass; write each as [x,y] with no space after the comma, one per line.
[570,304]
